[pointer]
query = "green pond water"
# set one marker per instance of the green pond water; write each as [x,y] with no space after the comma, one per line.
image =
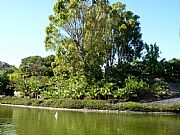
[24,121]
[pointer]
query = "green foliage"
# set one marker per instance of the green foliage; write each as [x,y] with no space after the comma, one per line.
[49,94]
[94,104]
[76,87]
[32,85]
[30,65]
[98,46]
[4,81]
[7,67]
[151,59]
[37,66]
[171,70]
[160,87]
[100,90]
[120,72]
[14,78]
[17,101]
[133,89]
[87,36]
[71,87]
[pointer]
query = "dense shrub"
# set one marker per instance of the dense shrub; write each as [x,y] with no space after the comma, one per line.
[100,90]
[94,104]
[160,87]
[133,89]
[31,85]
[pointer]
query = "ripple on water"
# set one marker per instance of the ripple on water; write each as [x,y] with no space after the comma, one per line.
[6,125]
[7,129]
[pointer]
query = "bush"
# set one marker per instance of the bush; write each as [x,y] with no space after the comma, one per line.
[32,85]
[160,88]
[133,89]
[100,90]
[94,104]
[63,87]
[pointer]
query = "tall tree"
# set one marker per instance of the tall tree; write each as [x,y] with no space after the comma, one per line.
[151,58]
[7,67]
[88,35]
[37,66]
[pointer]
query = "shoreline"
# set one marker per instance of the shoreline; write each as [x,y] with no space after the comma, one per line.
[88,110]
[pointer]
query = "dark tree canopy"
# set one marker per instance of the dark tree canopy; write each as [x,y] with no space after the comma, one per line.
[4,81]
[37,66]
[7,67]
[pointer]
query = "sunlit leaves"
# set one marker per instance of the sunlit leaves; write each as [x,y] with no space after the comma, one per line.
[88,35]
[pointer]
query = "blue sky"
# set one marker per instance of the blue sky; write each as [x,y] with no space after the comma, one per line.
[23,22]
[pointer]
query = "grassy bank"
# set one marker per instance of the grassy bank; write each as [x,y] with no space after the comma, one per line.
[93,104]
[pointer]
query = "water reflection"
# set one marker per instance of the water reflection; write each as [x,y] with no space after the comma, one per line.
[45,122]
[56,115]
[6,121]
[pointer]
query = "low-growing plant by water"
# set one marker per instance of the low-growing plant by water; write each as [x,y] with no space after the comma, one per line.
[94,104]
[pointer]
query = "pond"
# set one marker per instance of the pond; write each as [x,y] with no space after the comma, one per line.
[25,121]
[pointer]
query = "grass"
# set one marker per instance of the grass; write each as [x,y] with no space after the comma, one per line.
[93,104]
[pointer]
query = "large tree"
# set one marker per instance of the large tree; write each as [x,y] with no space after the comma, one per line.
[150,60]
[37,66]
[88,35]
[7,67]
